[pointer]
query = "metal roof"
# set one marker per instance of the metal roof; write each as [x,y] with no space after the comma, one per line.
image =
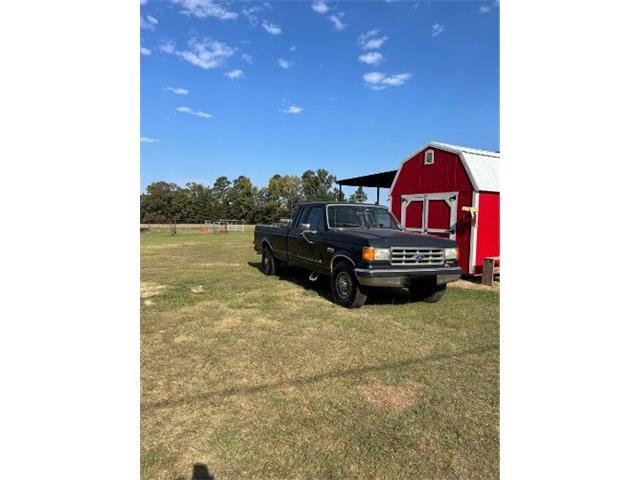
[481,165]
[382,180]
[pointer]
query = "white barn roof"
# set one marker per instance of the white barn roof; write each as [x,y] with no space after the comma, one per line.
[481,165]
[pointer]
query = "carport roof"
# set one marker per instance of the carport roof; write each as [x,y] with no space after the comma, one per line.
[380,180]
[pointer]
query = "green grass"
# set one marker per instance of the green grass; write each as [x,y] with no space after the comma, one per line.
[264,377]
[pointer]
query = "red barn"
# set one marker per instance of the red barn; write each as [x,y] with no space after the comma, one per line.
[451,191]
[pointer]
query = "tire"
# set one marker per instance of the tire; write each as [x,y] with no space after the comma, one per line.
[425,293]
[345,287]
[270,265]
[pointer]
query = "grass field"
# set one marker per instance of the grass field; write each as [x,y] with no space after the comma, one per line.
[264,377]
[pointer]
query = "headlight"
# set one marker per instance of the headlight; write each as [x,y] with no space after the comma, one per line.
[451,253]
[369,254]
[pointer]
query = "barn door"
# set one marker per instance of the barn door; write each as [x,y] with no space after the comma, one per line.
[434,214]
[442,213]
[413,212]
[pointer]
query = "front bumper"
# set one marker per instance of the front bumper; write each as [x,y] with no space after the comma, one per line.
[404,277]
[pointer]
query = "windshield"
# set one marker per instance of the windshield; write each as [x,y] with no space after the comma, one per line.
[360,216]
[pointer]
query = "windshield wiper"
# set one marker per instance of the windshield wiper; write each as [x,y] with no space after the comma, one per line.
[349,225]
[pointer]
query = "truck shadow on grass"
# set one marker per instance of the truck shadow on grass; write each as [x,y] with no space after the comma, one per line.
[322,286]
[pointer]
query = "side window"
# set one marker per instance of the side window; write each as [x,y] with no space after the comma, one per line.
[304,215]
[315,219]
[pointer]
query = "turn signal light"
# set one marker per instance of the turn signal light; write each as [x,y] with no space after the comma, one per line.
[371,253]
[368,254]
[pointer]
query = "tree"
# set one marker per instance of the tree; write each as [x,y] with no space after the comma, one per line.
[155,203]
[219,194]
[242,198]
[360,196]
[318,185]
[201,201]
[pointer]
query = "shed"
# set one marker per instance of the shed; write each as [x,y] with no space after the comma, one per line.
[454,192]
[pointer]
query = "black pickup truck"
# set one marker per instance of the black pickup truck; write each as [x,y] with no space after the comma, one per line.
[358,246]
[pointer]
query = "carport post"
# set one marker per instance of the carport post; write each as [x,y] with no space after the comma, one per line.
[377,195]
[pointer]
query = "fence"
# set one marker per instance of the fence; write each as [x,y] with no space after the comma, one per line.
[207,227]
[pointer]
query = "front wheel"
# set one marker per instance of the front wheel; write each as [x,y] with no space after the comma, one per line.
[345,287]
[429,294]
[269,263]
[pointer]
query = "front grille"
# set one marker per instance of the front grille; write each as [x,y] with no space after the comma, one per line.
[417,256]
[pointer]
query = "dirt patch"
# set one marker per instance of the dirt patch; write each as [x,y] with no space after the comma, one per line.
[198,289]
[227,324]
[170,245]
[472,285]
[265,322]
[389,398]
[219,264]
[149,302]
[150,289]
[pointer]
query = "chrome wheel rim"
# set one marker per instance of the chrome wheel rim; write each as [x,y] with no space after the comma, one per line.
[343,284]
[266,263]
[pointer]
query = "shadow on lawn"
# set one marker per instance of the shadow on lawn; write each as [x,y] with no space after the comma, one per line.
[351,372]
[322,287]
[200,472]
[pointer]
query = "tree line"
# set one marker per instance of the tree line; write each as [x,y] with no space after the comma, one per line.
[165,202]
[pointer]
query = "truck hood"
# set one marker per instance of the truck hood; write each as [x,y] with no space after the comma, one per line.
[382,237]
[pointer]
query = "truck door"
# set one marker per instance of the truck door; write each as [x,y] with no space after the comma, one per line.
[295,241]
[306,240]
[315,247]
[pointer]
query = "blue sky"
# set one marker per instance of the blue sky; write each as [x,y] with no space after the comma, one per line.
[259,88]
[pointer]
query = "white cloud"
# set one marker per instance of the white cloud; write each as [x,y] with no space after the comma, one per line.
[380,81]
[272,28]
[148,140]
[295,109]
[177,90]
[145,51]
[286,64]
[233,74]
[204,9]
[292,48]
[203,53]
[143,2]
[250,13]
[484,9]
[319,6]
[369,41]
[148,22]
[436,29]
[397,80]
[168,47]
[247,58]
[371,58]
[198,113]
[373,77]
[337,23]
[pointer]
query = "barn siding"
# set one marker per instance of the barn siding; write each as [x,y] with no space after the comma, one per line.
[447,174]
[488,228]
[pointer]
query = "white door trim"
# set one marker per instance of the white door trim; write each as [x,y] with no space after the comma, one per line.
[473,240]
[450,197]
[405,201]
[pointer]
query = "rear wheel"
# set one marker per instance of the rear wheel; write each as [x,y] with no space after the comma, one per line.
[270,265]
[427,293]
[345,287]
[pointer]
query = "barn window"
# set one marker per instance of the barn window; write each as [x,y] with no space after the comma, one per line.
[428,157]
